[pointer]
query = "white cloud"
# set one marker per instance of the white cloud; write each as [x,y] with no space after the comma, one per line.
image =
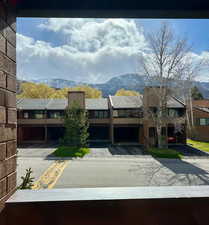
[94,50]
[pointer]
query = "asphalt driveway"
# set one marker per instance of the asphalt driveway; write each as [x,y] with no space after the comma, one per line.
[112,167]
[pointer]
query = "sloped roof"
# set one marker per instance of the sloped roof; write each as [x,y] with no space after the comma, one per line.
[96,103]
[123,102]
[174,103]
[59,104]
[32,104]
[203,103]
[203,109]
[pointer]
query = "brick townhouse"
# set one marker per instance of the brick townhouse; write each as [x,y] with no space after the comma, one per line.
[201,119]
[115,119]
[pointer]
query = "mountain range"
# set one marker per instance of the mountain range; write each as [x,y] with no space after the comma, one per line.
[127,81]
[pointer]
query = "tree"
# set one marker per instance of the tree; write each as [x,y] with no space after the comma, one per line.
[32,90]
[76,127]
[165,64]
[196,94]
[123,92]
[89,91]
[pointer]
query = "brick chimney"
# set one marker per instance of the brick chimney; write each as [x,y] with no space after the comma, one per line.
[76,97]
[151,96]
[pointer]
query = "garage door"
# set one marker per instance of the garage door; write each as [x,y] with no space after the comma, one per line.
[126,134]
[32,133]
[98,133]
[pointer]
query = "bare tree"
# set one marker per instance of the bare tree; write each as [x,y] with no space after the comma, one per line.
[166,64]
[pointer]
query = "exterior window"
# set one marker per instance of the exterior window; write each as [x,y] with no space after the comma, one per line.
[33,114]
[176,112]
[98,114]
[204,121]
[128,113]
[55,114]
[25,115]
[38,114]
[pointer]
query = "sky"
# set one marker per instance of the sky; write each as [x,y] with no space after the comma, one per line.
[95,50]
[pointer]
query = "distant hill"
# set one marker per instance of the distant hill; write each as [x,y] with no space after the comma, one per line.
[127,81]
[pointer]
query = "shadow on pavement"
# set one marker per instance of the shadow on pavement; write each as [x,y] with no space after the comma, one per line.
[188,150]
[188,170]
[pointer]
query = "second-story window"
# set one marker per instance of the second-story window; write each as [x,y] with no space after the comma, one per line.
[98,114]
[204,121]
[128,113]
[174,112]
[33,114]
[55,114]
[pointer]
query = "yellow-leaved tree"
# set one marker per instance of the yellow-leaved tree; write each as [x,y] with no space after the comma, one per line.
[123,92]
[32,90]
[89,91]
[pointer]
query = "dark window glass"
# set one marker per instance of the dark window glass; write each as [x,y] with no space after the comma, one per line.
[128,113]
[204,121]
[33,114]
[98,114]
[55,114]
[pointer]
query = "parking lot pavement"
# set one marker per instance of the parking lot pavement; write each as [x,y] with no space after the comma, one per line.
[130,172]
[37,164]
[115,167]
[36,151]
[121,151]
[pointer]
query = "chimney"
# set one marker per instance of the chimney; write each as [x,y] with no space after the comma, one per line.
[76,97]
[151,96]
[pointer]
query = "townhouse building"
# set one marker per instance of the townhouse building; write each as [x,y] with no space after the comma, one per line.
[201,119]
[115,119]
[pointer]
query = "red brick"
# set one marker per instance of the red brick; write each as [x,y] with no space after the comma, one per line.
[11,165]
[3,171]
[2,26]
[10,99]
[10,35]
[2,44]
[11,148]
[2,115]
[2,79]
[7,65]
[11,181]
[12,116]
[11,51]
[11,83]
[3,151]
[7,134]
[3,187]
[2,97]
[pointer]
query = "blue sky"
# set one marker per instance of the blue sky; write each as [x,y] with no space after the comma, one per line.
[95,51]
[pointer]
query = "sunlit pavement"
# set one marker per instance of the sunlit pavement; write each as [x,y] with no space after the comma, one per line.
[116,171]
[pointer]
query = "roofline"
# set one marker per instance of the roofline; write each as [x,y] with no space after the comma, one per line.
[200,109]
[179,101]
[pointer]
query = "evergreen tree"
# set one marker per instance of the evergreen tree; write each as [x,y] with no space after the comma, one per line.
[196,94]
[76,127]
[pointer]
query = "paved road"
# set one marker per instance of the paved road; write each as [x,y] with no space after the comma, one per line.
[144,171]
[117,171]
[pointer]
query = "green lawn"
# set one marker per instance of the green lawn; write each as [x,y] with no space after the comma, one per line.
[204,146]
[165,153]
[65,151]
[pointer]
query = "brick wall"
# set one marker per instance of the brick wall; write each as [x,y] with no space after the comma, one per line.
[201,132]
[8,119]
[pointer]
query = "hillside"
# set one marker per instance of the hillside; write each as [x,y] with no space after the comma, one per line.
[127,81]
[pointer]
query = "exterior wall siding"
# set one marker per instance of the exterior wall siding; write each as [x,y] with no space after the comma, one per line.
[8,120]
[201,132]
